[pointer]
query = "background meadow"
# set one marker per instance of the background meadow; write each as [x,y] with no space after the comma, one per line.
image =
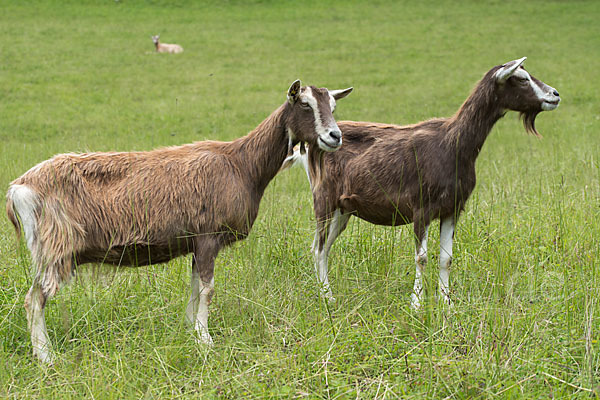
[81,76]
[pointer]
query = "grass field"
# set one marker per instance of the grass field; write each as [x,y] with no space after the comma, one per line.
[82,76]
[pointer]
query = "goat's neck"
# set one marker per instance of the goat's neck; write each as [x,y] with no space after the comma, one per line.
[263,150]
[471,125]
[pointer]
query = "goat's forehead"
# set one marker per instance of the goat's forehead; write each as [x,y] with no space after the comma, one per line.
[314,95]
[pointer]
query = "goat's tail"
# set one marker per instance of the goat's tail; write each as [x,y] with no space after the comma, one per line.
[12,216]
[52,235]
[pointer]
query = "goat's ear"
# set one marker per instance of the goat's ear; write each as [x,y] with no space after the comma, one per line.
[508,69]
[340,94]
[294,92]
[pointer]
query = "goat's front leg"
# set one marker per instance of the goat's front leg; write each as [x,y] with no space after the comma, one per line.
[421,231]
[327,233]
[202,284]
[446,237]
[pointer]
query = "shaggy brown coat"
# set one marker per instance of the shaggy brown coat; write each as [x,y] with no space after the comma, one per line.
[137,208]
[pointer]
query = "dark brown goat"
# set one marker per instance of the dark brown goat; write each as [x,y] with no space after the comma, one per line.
[138,208]
[395,175]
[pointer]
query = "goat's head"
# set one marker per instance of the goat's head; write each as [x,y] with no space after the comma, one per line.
[310,119]
[520,91]
[155,39]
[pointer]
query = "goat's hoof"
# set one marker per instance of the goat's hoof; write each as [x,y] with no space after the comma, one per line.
[329,297]
[204,339]
[415,302]
[447,302]
[46,357]
[445,299]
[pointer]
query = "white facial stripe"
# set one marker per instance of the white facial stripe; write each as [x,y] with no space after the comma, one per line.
[543,94]
[521,73]
[322,131]
[308,97]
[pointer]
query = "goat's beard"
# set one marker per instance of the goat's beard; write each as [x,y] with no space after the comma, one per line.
[528,118]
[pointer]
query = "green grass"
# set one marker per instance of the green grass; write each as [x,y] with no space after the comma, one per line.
[78,76]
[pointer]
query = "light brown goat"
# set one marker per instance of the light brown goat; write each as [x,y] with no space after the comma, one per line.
[165,47]
[139,208]
[396,175]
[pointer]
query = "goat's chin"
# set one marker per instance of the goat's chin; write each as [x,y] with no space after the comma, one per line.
[326,147]
[549,106]
[528,118]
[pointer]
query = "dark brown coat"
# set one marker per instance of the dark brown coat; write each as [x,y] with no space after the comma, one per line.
[394,175]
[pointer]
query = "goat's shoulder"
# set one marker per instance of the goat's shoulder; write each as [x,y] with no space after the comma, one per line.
[428,128]
[366,132]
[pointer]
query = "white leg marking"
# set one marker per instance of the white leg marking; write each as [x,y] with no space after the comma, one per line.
[201,322]
[196,312]
[421,262]
[544,93]
[192,307]
[446,238]
[40,341]
[336,226]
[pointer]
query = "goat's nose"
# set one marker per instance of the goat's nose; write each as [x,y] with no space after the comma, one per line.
[337,135]
[555,93]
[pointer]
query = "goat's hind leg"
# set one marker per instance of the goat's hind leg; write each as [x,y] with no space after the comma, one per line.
[35,301]
[327,232]
[46,283]
[202,284]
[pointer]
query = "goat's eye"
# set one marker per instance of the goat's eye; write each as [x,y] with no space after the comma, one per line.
[304,105]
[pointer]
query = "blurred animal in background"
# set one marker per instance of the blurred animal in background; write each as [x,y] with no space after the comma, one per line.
[165,47]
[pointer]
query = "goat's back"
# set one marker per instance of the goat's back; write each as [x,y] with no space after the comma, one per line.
[121,199]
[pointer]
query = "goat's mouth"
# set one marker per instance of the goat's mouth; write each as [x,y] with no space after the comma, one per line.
[549,105]
[323,145]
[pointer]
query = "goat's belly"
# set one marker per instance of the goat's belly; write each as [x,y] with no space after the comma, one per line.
[379,213]
[135,255]
[384,217]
